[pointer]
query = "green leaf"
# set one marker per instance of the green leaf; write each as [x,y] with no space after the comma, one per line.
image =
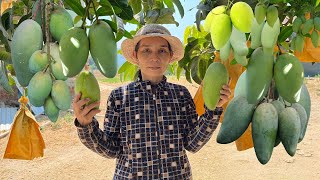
[285,32]
[198,19]
[5,56]
[233,62]
[25,17]
[4,82]
[152,16]
[194,70]
[186,35]
[179,70]
[77,19]
[127,12]
[169,4]
[202,67]
[104,11]
[125,66]
[136,5]
[127,34]
[76,7]
[179,6]
[120,29]
[112,24]
[166,17]
[188,76]
[4,38]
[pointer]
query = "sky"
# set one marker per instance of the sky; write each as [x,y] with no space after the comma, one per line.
[187,20]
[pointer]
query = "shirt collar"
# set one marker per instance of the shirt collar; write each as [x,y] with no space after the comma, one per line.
[146,85]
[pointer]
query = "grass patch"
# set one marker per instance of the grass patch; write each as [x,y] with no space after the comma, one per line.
[110,80]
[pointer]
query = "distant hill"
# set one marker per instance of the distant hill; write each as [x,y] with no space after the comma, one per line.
[121,60]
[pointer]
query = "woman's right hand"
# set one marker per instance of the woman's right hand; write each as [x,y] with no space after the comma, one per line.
[83,113]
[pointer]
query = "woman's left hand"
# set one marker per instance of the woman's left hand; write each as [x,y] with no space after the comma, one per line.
[225,94]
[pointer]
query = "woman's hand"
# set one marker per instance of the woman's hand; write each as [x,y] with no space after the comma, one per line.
[83,113]
[225,94]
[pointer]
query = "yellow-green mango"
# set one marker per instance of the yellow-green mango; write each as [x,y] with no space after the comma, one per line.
[216,76]
[88,86]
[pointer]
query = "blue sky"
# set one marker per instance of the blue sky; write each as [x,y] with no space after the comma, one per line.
[187,20]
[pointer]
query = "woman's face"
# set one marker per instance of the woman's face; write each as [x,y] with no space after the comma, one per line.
[153,57]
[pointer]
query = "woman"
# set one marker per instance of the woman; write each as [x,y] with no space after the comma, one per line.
[150,123]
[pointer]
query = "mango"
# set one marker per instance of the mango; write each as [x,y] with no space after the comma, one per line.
[260,12]
[236,120]
[39,88]
[38,61]
[60,94]
[88,86]
[27,38]
[220,30]
[242,16]
[269,35]
[288,75]
[73,51]
[60,22]
[272,15]
[56,65]
[256,31]
[289,129]
[305,100]
[215,11]
[296,25]
[241,86]
[216,76]
[51,110]
[303,119]
[264,131]
[259,75]
[103,48]
[238,42]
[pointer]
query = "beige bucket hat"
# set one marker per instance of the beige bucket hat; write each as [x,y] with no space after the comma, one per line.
[152,30]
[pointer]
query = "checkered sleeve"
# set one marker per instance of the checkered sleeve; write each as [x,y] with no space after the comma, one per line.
[106,143]
[199,129]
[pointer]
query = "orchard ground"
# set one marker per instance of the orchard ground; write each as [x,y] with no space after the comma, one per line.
[67,158]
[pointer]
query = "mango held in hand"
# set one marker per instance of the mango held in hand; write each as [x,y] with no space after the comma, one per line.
[103,48]
[220,31]
[288,75]
[215,77]
[74,51]
[242,16]
[88,86]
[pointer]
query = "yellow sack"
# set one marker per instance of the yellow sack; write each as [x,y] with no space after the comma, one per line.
[245,141]
[25,140]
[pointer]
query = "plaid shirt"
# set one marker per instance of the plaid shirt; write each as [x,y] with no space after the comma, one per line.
[149,130]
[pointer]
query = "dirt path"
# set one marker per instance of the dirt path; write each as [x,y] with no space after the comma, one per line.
[66,158]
